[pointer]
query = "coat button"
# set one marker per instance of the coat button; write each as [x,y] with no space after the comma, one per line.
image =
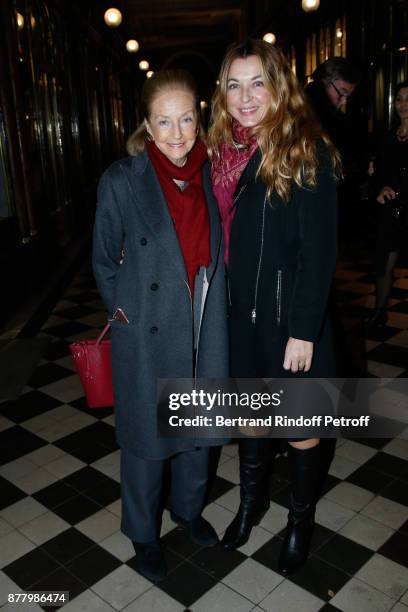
[143,241]
[154,286]
[154,329]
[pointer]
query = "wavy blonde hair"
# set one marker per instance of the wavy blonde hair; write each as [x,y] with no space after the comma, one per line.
[161,82]
[288,134]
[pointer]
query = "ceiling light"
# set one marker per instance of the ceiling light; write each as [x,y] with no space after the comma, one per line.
[113,17]
[132,46]
[270,38]
[149,74]
[144,65]
[310,5]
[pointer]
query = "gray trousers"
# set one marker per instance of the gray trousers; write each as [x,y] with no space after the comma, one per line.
[141,484]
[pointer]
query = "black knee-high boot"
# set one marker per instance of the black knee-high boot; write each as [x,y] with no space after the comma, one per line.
[255,456]
[305,475]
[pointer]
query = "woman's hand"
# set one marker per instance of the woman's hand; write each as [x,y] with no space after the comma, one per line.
[298,355]
[386,193]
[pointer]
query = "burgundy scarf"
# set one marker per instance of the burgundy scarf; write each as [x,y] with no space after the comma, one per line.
[187,207]
[226,172]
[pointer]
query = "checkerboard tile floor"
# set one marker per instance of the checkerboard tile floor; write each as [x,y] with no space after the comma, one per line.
[60,494]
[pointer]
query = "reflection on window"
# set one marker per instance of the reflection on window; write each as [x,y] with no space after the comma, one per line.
[329,40]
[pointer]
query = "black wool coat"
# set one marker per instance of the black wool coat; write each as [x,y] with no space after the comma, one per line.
[281,262]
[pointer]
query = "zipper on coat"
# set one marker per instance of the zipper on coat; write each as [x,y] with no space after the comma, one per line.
[258,272]
[278,297]
[192,321]
[234,201]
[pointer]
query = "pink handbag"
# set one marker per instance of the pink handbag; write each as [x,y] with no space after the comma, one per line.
[93,361]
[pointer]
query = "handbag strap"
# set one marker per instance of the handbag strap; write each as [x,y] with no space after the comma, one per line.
[103,333]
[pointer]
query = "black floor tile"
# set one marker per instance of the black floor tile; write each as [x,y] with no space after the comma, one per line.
[268,554]
[400,307]
[85,479]
[89,453]
[75,312]
[71,328]
[404,528]
[321,537]
[344,554]
[329,484]
[55,494]
[396,548]
[30,568]
[16,442]
[377,443]
[369,478]
[93,565]
[397,490]
[10,494]
[281,496]
[329,608]
[179,541]
[388,464]
[48,373]
[217,561]
[98,413]
[60,580]
[219,487]
[389,353]
[77,509]
[106,493]
[187,583]
[29,405]
[173,560]
[320,578]
[57,350]
[97,433]
[67,545]
[381,334]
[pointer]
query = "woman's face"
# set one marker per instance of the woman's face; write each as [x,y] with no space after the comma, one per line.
[173,124]
[248,100]
[401,103]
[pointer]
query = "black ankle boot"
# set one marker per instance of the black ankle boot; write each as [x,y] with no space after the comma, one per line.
[150,561]
[200,530]
[255,456]
[305,474]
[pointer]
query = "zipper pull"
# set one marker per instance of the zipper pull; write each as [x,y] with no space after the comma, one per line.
[253,316]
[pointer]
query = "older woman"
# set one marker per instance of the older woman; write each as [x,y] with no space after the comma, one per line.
[274,178]
[159,267]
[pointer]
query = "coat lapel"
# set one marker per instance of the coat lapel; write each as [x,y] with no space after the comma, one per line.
[215,226]
[150,200]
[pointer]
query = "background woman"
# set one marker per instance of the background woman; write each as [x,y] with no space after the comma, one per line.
[393,220]
[273,176]
[159,267]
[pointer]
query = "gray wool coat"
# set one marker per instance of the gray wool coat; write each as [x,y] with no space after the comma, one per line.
[151,287]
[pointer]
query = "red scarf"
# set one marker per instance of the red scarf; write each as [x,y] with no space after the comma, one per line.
[187,207]
[226,172]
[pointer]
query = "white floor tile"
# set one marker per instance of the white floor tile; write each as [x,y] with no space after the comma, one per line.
[167,524]
[5,527]
[219,517]
[397,448]
[99,526]
[119,545]
[386,511]
[45,454]
[7,587]
[399,607]
[65,390]
[220,599]
[341,467]
[367,532]
[87,601]
[385,575]
[17,469]
[332,515]
[275,519]
[64,466]
[54,432]
[361,597]
[121,587]
[23,511]
[35,481]
[350,496]
[230,500]
[229,470]
[62,412]
[37,423]
[44,527]
[155,600]
[13,546]
[252,580]
[109,465]
[257,539]
[115,507]
[354,451]
[79,420]
[288,597]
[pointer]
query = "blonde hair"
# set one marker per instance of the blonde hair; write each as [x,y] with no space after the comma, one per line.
[288,133]
[160,82]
